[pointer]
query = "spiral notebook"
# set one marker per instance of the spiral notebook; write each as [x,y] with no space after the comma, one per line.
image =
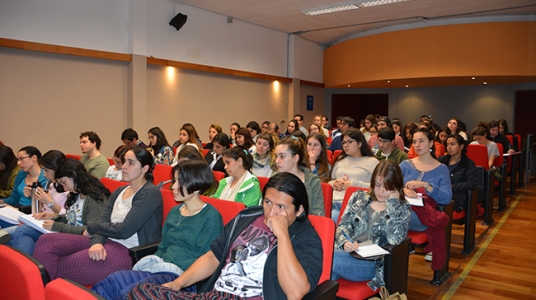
[35,224]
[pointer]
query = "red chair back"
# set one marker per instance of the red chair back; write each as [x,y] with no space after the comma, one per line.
[21,276]
[349,191]
[112,184]
[205,152]
[218,175]
[330,156]
[479,155]
[327,193]
[262,181]
[336,154]
[228,209]
[110,161]
[162,173]
[73,156]
[168,203]
[68,290]
[325,227]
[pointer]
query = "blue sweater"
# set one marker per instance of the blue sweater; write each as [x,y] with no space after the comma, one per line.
[17,196]
[438,178]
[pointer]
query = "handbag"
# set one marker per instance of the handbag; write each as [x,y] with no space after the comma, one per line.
[384,295]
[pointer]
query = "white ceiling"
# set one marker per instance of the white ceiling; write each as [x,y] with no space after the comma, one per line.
[287,16]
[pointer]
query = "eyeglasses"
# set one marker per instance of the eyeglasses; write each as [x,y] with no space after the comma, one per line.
[384,141]
[23,158]
[347,142]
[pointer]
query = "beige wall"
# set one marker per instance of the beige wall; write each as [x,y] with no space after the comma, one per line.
[46,100]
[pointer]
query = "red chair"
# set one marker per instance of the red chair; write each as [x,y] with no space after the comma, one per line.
[262,181]
[168,203]
[73,156]
[479,155]
[110,161]
[228,209]
[112,184]
[336,154]
[161,174]
[205,152]
[330,156]
[22,276]
[68,290]
[218,175]
[325,227]
[327,193]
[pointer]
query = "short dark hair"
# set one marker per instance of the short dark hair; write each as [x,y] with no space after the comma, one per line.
[266,123]
[299,116]
[194,175]
[120,151]
[349,121]
[92,137]
[386,133]
[248,141]
[129,134]
[51,160]
[236,153]
[291,185]
[459,140]
[386,120]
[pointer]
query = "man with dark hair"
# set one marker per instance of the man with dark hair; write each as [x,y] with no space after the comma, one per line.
[386,137]
[325,122]
[130,138]
[346,122]
[299,118]
[277,252]
[94,162]
[273,128]
[337,131]
[374,143]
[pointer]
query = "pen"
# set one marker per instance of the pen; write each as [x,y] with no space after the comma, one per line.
[347,236]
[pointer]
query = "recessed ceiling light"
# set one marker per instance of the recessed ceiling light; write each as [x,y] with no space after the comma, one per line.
[388,81]
[347,6]
[407,85]
[472,78]
[348,85]
[485,82]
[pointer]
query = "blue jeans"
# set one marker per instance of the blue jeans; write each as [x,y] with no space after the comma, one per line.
[25,238]
[350,268]
[335,210]
[10,228]
[415,224]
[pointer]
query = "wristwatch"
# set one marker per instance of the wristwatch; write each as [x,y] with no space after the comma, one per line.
[51,204]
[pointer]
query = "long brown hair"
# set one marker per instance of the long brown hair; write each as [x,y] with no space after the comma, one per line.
[322,159]
[393,180]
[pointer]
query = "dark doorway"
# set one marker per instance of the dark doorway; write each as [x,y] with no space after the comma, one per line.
[525,107]
[358,106]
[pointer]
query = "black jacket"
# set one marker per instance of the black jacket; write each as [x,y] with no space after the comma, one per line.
[463,177]
[218,166]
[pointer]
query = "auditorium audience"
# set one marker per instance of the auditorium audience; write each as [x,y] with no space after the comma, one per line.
[130,138]
[291,127]
[480,133]
[244,140]
[114,171]
[213,130]
[454,127]
[497,137]
[94,161]
[214,158]
[187,137]
[264,155]
[233,128]
[316,156]
[254,130]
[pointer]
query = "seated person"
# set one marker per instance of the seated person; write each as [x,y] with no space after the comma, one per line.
[386,138]
[220,142]
[30,172]
[316,156]
[96,163]
[496,137]
[132,217]
[480,133]
[130,138]
[254,130]
[346,123]
[188,231]
[159,147]
[264,155]
[114,172]
[187,138]
[241,185]
[8,171]
[274,129]
[380,216]
[213,130]
[256,249]
[374,144]
[463,173]
[244,140]
[353,167]
[232,137]
[84,202]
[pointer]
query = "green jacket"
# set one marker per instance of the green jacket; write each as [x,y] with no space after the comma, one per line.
[249,192]
[396,156]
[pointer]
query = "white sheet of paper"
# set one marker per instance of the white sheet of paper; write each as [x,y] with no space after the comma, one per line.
[35,224]
[371,250]
[415,201]
[10,215]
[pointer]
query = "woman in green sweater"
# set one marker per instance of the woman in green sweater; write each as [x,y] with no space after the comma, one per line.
[187,233]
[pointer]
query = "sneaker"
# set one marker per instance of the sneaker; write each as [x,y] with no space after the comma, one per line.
[4,237]
[411,250]
[428,256]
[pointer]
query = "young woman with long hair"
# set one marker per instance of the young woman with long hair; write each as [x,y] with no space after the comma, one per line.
[480,133]
[214,158]
[316,156]
[290,154]
[187,138]
[244,140]
[159,147]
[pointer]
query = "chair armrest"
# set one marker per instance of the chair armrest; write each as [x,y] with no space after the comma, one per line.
[396,267]
[326,290]
[137,253]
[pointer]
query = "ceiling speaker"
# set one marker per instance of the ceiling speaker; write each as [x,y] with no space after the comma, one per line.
[178,21]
